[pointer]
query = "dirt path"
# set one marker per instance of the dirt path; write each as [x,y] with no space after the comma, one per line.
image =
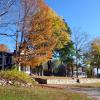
[91,92]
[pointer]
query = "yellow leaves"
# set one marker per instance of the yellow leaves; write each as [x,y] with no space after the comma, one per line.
[59,30]
[96,46]
[61,33]
[58,24]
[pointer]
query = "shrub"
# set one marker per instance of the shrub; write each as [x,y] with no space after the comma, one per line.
[14,76]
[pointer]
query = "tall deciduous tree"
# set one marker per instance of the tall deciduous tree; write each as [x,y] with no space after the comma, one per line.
[26,12]
[47,32]
[96,53]
[80,42]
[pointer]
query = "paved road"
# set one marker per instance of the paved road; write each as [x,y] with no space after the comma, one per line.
[91,92]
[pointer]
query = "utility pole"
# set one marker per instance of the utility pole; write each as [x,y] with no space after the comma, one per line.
[16,43]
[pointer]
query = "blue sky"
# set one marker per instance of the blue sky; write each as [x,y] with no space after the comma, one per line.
[79,14]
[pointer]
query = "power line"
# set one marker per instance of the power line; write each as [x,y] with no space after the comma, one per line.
[12,35]
[4,34]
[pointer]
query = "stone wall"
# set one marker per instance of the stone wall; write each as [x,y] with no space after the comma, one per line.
[71,81]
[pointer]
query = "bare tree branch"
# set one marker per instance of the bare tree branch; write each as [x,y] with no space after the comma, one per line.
[6,6]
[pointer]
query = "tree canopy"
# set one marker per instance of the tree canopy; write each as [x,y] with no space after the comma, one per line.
[47,32]
[95,50]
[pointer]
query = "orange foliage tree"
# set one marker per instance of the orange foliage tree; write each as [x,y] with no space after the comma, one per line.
[47,32]
[95,48]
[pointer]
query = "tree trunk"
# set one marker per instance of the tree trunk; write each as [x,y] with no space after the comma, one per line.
[72,71]
[41,70]
[76,65]
[19,67]
[97,72]
[76,70]
[92,73]
[49,68]
[68,70]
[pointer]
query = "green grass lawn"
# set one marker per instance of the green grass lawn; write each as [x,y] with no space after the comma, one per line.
[38,93]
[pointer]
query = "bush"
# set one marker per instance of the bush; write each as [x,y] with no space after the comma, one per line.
[14,76]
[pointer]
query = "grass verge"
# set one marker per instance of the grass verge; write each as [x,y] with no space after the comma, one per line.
[38,93]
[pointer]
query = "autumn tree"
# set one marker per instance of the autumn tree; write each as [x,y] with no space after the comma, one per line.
[3,48]
[66,53]
[80,40]
[62,33]
[47,32]
[38,41]
[25,11]
[96,54]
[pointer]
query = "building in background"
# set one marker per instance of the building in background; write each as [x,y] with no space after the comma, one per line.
[6,60]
